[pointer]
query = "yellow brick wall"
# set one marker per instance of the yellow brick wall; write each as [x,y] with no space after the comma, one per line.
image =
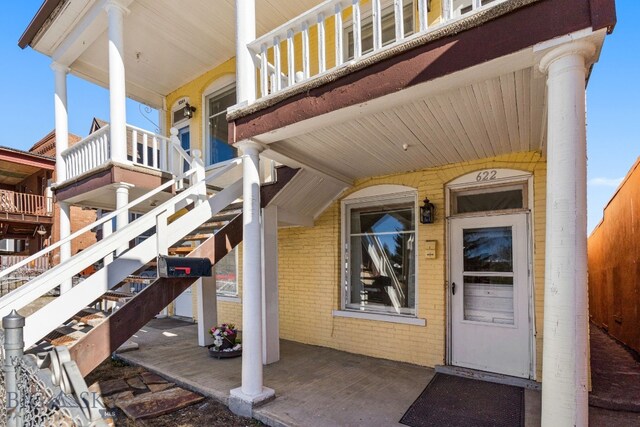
[309,273]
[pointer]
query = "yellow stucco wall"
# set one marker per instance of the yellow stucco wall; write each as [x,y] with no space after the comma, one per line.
[309,273]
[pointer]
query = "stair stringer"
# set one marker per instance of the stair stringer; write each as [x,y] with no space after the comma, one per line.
[105,338]
[61,309]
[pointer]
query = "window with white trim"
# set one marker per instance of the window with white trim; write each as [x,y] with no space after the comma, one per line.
[218,148]
[380,254]
[388,25]
[226,273]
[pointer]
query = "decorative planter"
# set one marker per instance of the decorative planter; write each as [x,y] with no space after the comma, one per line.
[219,354]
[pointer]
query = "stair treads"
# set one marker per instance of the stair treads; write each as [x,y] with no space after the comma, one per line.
[116,295]
[150,405]
[63,336]
[90,316]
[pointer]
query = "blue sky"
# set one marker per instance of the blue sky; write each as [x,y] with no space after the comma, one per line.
[26,113]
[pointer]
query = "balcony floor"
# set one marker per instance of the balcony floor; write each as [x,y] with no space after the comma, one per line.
[314,386]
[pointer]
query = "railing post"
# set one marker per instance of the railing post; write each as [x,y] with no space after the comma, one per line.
[198,176]
[13,325]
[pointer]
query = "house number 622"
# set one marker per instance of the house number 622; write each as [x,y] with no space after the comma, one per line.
[487,175]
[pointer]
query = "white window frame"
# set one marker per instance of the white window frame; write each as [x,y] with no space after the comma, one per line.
[386,9]
[372,195]
[223,296]
[217,87]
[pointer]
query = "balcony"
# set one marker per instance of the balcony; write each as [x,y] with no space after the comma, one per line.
[14,203]
[144,149]
[343,37]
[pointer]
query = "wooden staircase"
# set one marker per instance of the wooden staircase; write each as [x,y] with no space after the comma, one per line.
[95,332]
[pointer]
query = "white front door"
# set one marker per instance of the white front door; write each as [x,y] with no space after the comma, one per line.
[182,306]
[490,328]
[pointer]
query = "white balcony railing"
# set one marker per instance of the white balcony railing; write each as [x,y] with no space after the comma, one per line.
[144,148]
[371,26]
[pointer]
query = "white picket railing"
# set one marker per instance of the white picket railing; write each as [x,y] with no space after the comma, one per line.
[273,74]
[38,264]
[144,148]
[166,233]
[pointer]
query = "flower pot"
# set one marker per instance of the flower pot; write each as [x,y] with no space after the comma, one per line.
[228,342]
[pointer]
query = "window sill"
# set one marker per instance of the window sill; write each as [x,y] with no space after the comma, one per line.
[227,298]
[380,317]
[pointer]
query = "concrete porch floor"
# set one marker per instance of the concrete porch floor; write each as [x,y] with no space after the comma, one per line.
[314,386]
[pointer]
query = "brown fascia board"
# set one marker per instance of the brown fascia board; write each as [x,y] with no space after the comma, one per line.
[527,23]
[24,157]
[38,21]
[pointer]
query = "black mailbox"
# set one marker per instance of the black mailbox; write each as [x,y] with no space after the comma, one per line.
[183,267]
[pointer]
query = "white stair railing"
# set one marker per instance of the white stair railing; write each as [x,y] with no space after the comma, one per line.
[61,309]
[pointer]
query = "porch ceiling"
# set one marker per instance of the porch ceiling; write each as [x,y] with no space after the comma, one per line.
[167,43]
[485,118]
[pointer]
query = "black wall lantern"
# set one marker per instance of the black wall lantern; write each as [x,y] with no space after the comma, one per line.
[427,212]
[188,111]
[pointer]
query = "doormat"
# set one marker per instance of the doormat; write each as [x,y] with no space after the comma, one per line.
[455,401]
[168,323]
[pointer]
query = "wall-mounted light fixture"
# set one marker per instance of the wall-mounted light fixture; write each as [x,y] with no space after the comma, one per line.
[427,212]
[188,111]
[41,230]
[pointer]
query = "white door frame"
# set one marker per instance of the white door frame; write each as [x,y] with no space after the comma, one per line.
[471,181]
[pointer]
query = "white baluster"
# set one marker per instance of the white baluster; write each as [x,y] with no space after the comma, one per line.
[264,72]
[338,31]
[422,15]
[134,143]
[155,151]
[377,30]
[277,83]
[447,10]
[145,149]
[322,50]
[357,39]
[291,58]
[477,4]
[398,9]
[305,50]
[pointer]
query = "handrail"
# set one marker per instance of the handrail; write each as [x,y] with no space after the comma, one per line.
[97,223]
[37,286]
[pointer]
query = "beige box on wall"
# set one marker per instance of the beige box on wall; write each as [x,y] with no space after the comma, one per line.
[430,249]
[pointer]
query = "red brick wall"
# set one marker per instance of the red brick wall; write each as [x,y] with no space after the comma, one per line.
[614,264]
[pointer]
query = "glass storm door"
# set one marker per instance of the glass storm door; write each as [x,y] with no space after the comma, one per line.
[489,294]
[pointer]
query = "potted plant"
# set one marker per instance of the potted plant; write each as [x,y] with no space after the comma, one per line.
[225,342]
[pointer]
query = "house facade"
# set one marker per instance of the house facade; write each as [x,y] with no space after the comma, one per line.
[438,211]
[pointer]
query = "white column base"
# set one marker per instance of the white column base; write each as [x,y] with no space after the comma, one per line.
[242,404]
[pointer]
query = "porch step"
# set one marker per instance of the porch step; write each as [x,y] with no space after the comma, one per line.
[182,250]
[491,377]
[64,336]
[197,237]
[90,316]
[116,296]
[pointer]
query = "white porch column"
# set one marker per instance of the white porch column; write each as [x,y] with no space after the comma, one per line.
[62,143]
[245,34]
[207,309]
[564,373]
[251,392]
[122,200]
[117,90]
[270,323]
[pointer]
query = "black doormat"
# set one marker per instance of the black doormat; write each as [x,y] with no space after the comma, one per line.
[450,401]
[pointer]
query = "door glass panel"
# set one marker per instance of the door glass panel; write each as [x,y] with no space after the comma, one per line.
[488,299]
[488,249]
[494,201]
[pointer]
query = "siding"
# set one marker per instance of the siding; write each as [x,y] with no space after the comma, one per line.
[614,264]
